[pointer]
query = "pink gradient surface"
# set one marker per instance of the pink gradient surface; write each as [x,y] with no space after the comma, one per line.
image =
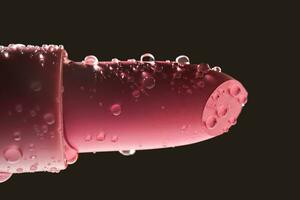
[54,108]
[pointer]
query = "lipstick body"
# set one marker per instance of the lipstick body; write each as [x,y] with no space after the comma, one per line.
[53,108]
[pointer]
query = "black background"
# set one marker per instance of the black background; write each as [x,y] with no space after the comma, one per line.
[248,162]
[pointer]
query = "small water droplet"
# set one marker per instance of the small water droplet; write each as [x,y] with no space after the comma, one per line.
[232,120]
[17,136]
[36,86]
[44,128]
[100,136]
[41,57]
[49,118]
[217,69]
[12,154]
[127,152]
[116,109]
[90,60]
[115,60]
[148,58]
[211,122]
[19,108]
[32,157]
[34,167]
[32,113]
[114,138]
[6,54]
[222,111]
[182,60]
[53,170]
[88,138]
[19,170]
[31,147]
[4,176]
[149,82]
[183,128]
[136,93]
[201,84]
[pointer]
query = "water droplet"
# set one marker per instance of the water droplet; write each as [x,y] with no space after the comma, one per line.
[88,138]
[41,57]
[201,84]
[32,157]
[53,170]
[31,147]
[44,128]
[19,170]
[183,128]
[12,154]
[90,60]
[36,86]
[148,58]
[114,138]
[182,60]
[32,113]
[163,107]
[243,99]
[217,69]
[100,103]
[49,118]
[6,54]
[71,155]
[222,111]
[4,176]
[232,120]
[115,60]
[17,136]
[211,122]
[136,93]
[100,136]
[235,90]
[34,167]
[116,109]
[127,152]
[19,108]
[149,82]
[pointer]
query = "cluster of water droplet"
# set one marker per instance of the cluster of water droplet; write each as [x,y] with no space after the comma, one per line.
[37,52]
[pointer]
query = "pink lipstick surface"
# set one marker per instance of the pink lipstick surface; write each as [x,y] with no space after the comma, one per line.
[54,108]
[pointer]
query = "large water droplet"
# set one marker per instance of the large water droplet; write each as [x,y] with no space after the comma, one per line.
[4,176]
[90,60]
[12,154]
[71,155]
[148,58]
[127,152]
[116,109]
[211,122]
[49,118]
[235,90]
[182,60]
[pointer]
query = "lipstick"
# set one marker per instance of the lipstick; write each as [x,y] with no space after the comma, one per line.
[53,108]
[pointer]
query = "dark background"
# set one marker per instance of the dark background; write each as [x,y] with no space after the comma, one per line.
[251,161]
